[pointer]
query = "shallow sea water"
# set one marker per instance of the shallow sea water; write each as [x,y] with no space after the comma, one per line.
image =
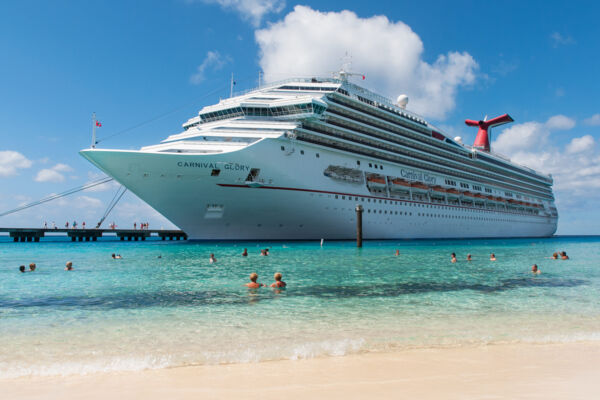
[144,312]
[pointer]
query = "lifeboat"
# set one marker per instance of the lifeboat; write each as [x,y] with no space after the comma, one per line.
[491,198]
[376,181]
[469,194]
[501,199]
[419,186]
[480,196]
[439,189]
[400,182]
[453,192]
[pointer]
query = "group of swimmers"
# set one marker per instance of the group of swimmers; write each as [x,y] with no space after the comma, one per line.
[469,258]
[253,284]
[32,267]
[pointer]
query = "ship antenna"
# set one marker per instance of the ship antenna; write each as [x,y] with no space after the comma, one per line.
[344,72]
[231,86]
[93,130]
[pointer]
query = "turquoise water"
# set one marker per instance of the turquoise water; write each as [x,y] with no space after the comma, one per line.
[145,312]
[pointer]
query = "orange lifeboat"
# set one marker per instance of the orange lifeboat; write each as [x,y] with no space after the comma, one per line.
[439,189]
[376,181]
[419,185]
[400,182]
[469,194]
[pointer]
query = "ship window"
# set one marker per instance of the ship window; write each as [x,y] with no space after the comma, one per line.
[381,167]
[282,148]
[317,155]
[215,172]
[370,165]
[357,162]
[302,152]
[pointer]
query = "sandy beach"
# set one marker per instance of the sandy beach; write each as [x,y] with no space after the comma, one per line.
[524,371]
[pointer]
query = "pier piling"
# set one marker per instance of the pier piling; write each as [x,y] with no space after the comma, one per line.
[359,233]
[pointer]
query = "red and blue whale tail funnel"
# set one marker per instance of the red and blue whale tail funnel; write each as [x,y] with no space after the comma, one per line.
[482,141]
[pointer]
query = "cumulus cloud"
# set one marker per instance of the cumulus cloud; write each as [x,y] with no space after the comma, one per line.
[574,167]
[308,42]
[213,61]
[582,144]
[594,120]
[560,122]
[11,162]
[251,10]
[530,134]
[54,174]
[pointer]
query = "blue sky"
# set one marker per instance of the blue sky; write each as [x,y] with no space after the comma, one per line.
[61,61]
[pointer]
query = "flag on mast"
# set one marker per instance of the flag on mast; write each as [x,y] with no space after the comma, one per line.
[98,124]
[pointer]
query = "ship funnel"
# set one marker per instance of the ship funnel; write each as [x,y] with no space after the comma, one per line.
[482,140]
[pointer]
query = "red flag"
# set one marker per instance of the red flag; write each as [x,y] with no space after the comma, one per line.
[98,124]
[363,77]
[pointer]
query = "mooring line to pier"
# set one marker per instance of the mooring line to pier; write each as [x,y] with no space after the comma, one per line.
[46,199]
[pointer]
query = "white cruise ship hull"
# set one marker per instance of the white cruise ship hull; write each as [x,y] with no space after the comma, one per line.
[293,198]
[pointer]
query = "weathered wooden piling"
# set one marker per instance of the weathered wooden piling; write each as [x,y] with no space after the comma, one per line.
[359,233]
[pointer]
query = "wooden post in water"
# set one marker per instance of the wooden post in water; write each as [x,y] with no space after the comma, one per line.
[359,212]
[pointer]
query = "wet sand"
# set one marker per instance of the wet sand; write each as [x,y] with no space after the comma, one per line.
[519,371]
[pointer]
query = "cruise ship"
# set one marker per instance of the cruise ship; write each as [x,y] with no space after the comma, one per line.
[294,159]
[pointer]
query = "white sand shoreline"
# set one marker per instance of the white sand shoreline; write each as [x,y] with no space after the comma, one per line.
[528,371]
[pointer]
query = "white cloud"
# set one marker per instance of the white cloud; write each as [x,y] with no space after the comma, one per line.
[11,162]
[529,135]
[594,120]
[213,61]
[311,43]
[579,145]
[86,202]
[251,10]
[521,137]
[558,39]
[560,122]
[574,167]
[53,174]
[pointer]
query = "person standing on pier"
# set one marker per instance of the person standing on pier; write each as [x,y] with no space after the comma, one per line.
[83,225]
[45,225]
[134,225]
[67,225]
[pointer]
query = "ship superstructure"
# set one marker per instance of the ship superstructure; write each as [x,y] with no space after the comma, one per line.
[292,159]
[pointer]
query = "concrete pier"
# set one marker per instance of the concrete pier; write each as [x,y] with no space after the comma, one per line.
[87,235]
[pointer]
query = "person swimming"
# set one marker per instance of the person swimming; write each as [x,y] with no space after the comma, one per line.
[32,267]
[278,282]
[492,257]
[453,259]
[22,268]
[564,256]
[245,253]
[212,258]
[535,269]
[69,266]
[116,256]
[469,257]
[397,252]
[253,284]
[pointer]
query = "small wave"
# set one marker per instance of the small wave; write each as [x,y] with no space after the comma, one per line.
[240,356]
